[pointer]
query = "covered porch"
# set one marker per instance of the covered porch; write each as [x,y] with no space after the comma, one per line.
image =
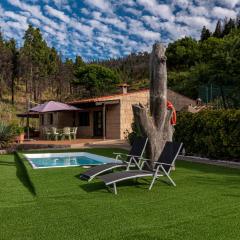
[89,119]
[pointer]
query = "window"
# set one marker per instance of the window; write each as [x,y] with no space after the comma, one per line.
[42,119]
[84,119]
[50,118]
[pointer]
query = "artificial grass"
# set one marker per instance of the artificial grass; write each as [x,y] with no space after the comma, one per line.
[56,204]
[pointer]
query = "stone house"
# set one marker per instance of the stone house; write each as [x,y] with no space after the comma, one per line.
[107,117]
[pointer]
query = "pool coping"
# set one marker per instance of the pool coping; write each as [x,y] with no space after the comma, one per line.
[87,154]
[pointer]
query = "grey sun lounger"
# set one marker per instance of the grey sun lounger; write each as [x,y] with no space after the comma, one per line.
[162,167]
[133,160]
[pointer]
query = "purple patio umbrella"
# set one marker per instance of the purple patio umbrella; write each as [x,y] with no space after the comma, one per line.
[53,106]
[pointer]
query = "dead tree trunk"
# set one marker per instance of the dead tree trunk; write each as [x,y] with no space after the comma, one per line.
[155,122]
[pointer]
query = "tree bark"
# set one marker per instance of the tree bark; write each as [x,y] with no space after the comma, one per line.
[155,122]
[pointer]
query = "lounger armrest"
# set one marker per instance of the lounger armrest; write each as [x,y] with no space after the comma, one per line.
[118,153]
[128,155]
[133,156]
[159,163]
[145,159]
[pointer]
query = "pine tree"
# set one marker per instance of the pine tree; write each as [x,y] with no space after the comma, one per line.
[228,26]
[218,30]
[205,34]
[78,62]
[238,22]
[36,53]
[14,54]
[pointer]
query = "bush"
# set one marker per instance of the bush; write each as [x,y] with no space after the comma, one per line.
[130,136]
[7,135]
[213,134]
[16,129]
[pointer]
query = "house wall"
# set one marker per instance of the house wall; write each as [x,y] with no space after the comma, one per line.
[119,117]
[87,131]
[65,119]
[113,121]
[126,114]
[127,100]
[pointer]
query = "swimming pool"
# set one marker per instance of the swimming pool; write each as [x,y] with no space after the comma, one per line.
[52,160]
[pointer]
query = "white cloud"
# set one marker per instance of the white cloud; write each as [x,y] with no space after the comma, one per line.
[161,10]
[228,3]
[219,12]
[35,22]
[199,11]
[85,11]
[17,25]
[133,11]
[58,14]
[17,17]
[105,28]
[195,22]
[136,27]
[152,21]
[35,12]
[98,25]
[103,5]
[128,3]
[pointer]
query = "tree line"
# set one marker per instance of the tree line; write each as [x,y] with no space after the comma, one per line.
[35,68]
[212,60]
[40,73]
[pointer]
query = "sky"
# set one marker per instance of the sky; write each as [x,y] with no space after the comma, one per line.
[102,29]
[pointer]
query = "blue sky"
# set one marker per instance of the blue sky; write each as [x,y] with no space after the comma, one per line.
[101,29]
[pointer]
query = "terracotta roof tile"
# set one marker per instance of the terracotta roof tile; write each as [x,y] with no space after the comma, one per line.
[109,97]
[117,96]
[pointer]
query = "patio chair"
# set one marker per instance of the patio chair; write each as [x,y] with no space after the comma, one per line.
[162,167]
[133,160]
[46,133]
[54,133]
[66,133]
[73,132]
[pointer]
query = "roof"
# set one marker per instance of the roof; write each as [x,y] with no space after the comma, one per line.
[28,114]
[116,96]
[53,106]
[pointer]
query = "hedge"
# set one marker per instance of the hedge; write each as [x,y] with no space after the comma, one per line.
[211,133]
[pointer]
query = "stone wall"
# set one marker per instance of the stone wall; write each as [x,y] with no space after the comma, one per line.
[126,112]
[113,121]
[126,115]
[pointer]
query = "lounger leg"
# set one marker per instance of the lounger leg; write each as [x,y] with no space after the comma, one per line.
[167,175]
[115,188]
[152,182]
[170,179]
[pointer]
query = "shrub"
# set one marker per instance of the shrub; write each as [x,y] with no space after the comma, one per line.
[213,134]
[131,135]
[16,129]
[7,135]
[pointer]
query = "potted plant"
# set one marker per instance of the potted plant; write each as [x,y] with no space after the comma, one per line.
[18,132]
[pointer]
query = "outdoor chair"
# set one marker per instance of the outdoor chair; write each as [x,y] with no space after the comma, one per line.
[66,133]
[162,167]
[73,132]
[54,133]
[133,160]
[46,133]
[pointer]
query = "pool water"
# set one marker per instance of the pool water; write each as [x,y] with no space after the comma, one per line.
[50,160]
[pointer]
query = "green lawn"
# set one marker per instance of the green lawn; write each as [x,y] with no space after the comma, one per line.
[55,204]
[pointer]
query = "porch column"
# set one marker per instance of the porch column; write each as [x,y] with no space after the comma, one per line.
[104,121]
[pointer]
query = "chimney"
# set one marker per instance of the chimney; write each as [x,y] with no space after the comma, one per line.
[124,87]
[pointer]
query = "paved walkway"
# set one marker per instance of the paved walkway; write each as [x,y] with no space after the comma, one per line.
[223,163]
[79,143]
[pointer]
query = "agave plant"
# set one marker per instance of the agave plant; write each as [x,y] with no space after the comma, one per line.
[7,135]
